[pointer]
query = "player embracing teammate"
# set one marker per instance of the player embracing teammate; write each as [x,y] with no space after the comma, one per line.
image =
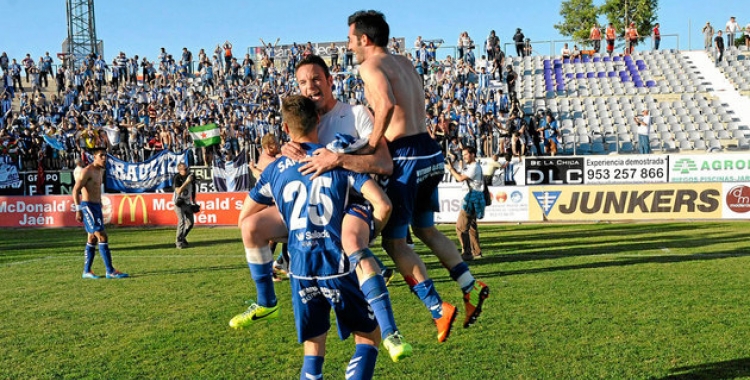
[398,144]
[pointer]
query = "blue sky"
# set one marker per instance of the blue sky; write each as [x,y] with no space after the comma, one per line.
[142,27]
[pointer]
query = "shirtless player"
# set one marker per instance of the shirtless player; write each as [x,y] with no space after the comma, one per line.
[87,200]
[395,92]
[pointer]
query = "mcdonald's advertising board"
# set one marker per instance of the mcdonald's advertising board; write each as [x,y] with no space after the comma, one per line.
[145,209]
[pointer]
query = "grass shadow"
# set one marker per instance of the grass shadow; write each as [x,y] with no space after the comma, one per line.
[730,369]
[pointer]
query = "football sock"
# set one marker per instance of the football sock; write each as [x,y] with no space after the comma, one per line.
[461,274]
[426,292]
[106,257]
[312,368]
[263,277]
[89,254]
[362,365]
[376,294]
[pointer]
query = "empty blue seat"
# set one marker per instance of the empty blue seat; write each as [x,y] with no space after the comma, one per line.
[601,74]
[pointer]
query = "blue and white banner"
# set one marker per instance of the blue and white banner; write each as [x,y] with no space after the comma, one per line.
[232,175]
[10,181]
[143,177]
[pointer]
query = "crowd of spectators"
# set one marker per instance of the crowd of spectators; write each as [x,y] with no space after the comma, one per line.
[136,107]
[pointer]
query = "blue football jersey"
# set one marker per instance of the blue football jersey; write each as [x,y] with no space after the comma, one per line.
[313,211]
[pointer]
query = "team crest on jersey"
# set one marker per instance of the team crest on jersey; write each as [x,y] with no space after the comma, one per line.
[546,200]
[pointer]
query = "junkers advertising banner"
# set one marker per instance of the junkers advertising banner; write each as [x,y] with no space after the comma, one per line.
[627,202]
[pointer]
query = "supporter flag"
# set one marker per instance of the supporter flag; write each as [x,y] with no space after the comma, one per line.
[232,175]
[53,142]
[205,135]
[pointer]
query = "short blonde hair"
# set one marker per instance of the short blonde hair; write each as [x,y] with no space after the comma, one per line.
[267,140]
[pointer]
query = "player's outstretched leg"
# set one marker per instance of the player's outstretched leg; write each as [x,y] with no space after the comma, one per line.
[414,272]
[475,292]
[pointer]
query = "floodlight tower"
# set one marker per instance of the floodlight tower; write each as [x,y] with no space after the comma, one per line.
[81,30]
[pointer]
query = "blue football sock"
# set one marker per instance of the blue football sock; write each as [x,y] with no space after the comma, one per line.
[461,274]
[362,365]
[312,368]
[89,254]
[376,294]
[263,277]
[426,292]
[106,256]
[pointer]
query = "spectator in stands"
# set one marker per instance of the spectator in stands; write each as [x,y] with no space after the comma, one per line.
[656,36]
[491,45]
[644,129]
[535,128]
[719,44]
[708,35]
[519,38]
[464,43]
[551,134]
[394,46]
[610,34]
[27,63]
[489,168]
[510,80]
[4,62]
[565,51]
[498,62]
[631,38]
[596,37]
[575,53]
[732,28]
[527,48]
[227,53]
[747,36]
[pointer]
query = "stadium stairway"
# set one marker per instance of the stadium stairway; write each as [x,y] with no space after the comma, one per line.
[719,86]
